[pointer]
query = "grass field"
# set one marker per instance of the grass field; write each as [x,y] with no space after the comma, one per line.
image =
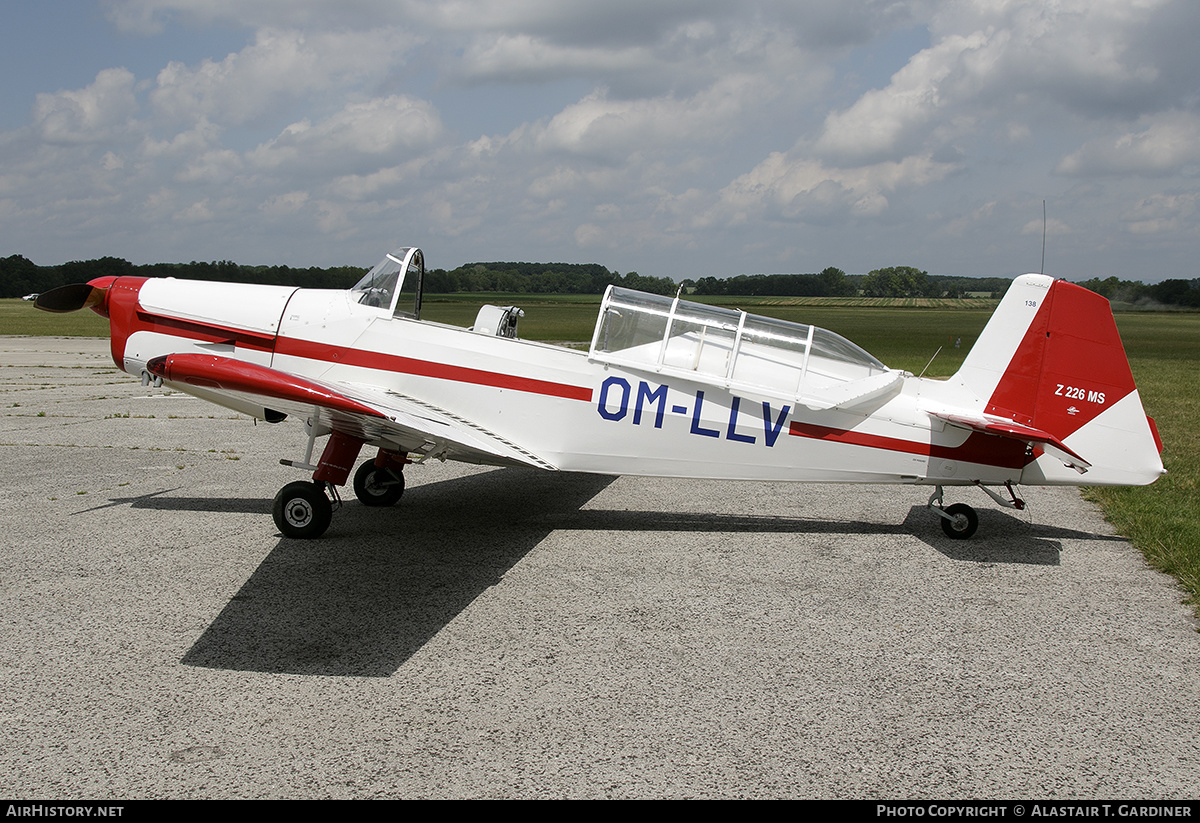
[1163,520]
[21,318]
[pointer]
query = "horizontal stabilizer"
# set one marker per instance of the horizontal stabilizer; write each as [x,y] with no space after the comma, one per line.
[1015,431]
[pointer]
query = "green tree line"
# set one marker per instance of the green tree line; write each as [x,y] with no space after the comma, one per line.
[540,278]
[1185,293]
[895,281]
[20,276]
[829,283]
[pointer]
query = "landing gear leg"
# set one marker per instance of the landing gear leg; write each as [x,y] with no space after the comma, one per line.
[303,509]
[1013,503]
[959,520]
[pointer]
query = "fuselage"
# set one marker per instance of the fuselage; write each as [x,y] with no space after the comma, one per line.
[570,410]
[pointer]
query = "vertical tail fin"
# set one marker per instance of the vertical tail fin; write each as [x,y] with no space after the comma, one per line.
[1051,359]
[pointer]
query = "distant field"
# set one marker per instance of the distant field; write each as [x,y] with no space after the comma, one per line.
[1163,520]
[21,318]
[857,302]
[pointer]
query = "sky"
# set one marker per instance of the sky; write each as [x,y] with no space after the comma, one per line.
[677,138]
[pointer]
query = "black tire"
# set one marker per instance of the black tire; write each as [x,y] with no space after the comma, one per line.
[302,511]
[376,486]
[963,524]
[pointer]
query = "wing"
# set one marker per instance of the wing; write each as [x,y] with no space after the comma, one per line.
[365,412]
[1015,431]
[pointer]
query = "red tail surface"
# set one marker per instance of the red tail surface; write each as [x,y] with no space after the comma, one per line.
[1051,359]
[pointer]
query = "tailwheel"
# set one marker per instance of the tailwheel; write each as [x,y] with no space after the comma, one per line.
[378,485]
[959,521]
[302,510]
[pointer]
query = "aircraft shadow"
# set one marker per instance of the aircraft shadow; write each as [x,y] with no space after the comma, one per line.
[381,583]
[1002,538]
[153,501]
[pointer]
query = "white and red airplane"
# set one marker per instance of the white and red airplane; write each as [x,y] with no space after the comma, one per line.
[668,388]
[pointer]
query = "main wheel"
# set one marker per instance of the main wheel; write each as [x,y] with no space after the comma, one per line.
[376,486]
[302,510]
[963,522]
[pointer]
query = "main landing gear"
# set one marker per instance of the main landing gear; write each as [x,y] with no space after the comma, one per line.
[959,520]
[304,509]
[377,485]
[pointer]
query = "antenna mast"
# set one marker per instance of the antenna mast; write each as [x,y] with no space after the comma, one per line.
[1043,271]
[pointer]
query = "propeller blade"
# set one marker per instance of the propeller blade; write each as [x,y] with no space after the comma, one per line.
[70,298]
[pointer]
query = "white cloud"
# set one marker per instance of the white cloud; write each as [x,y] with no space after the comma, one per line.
[384,182]
[379,131]
[1162,214]
[992,56]
[1169,142]
[647,131]
[892,121]
[521,56]
[199,212]
[277,70]
[212,167]
[1052,227]
[280,205]
[579,22]
[589,235]
[613,130]
[97,113]
[151,17]
[784,187]
[200,137]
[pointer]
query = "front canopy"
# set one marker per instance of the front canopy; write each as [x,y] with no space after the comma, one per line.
[394,284]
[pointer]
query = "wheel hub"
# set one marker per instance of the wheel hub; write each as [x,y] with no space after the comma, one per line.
[299,513]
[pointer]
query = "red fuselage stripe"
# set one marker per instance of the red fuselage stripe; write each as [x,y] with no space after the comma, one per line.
[208,332]
[977,448]
[327,353]
[424,368]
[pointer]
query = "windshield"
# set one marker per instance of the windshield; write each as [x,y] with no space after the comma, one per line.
[394,284]
[379,284]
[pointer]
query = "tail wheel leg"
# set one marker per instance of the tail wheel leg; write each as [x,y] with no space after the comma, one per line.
[959,520]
